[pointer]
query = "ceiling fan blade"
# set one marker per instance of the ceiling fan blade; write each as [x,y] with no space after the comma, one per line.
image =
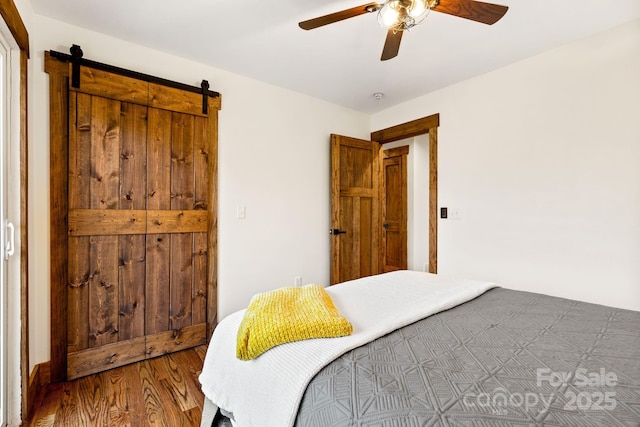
[339,16]
[391,45]
[486,13]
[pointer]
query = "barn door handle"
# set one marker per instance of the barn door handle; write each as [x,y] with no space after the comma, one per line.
[385,225]
[336,231]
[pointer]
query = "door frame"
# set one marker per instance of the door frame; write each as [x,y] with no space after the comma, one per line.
[13,20]
[425,125]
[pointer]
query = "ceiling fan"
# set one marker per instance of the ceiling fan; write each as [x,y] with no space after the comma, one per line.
[399,15]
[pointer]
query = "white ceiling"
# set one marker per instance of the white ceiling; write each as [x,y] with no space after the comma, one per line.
[340,62]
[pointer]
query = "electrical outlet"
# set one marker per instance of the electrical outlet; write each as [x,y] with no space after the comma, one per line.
[297,281]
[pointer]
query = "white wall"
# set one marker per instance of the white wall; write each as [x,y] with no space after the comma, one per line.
[273,159]
[542,159]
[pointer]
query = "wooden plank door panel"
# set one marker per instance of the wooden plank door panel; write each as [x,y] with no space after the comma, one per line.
[104,193]
[135,170]
[177,226]
[105,268]
[78,295]
[157,289]
[346,247]
[354,208]
[177,262]
[157,284]
[109,85]
[133,196]
[132,277]
[200,273]
[201,203]
[182,197]
[394,209]
[104,184]
[78,197]
[366,232]
[103,290]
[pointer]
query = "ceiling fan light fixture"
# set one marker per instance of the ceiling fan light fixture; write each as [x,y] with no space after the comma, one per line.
[401,15]
[398,15]
[388,14]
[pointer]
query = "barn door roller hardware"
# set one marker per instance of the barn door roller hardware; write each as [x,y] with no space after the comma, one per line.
[76,56]
[204,86]
[77,60]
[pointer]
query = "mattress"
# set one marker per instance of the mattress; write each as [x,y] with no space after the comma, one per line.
[504,358]
[266,391]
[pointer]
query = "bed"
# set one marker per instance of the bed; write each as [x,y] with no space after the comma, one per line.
[431,350]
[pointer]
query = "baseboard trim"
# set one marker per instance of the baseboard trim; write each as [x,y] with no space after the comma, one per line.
[40,377]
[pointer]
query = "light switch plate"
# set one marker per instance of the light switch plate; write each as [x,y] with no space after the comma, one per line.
[241,212]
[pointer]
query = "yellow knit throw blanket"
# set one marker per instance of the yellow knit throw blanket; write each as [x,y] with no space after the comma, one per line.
[285,315]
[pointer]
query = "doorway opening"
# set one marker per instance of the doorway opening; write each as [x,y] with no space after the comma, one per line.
[415,166]
[357,169]
[416,128]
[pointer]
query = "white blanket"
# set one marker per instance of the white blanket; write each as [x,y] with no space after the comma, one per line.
[267,391]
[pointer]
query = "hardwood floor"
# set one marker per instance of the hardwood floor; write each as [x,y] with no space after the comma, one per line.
[163,391]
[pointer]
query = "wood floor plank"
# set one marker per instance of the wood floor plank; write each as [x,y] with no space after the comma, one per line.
[92,400]
[135,399]
[172,401]
[158,392]
[151,396]
[68,410]
[118,408]
[201,351]
[175,382]
[192,363]
[192,417]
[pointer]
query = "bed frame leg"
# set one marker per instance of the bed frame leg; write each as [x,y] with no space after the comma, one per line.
[208,413]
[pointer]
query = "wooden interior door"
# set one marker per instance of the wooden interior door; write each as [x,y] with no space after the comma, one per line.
[425,125]
[141,222]
[354,208]
[394,209]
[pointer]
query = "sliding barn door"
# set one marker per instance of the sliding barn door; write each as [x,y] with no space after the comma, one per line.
[140,218]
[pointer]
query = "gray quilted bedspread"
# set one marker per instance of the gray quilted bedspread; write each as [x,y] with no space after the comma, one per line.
[506,358]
